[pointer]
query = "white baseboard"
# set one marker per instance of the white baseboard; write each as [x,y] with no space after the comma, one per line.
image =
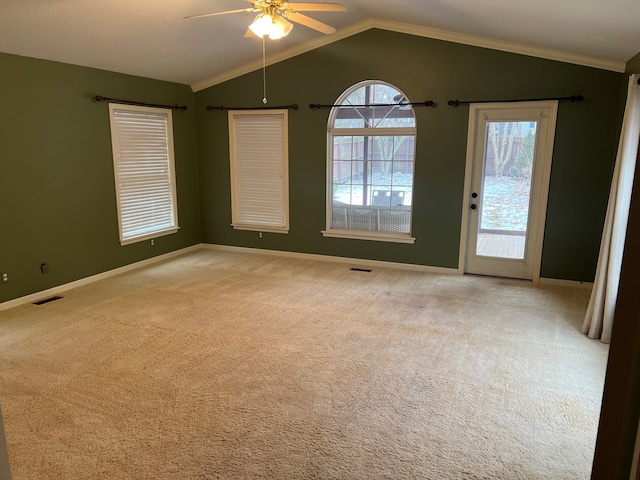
[34,297]
[555,282]
[379,263]
[355,262]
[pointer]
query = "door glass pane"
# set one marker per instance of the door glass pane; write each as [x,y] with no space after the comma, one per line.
[506,187]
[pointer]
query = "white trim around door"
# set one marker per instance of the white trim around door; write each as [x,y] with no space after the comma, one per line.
[489,124]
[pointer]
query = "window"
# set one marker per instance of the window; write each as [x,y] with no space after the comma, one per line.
[259,170]
[371,152]
[143,162]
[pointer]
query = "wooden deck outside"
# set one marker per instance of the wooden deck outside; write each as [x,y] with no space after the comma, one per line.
[501,246]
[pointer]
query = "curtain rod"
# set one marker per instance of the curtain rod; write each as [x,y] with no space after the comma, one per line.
[428,103]
[573,98]
[100,98]
[290,107]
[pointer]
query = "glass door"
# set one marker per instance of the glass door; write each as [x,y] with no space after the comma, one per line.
[510,159]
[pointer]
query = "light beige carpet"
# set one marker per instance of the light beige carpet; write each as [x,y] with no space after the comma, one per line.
[240,365]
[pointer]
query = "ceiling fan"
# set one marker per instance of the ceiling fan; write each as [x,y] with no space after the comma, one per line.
[274,15]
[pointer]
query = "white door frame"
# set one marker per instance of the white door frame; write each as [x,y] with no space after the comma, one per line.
[544,163]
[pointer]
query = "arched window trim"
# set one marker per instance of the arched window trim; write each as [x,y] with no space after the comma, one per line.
[377,228]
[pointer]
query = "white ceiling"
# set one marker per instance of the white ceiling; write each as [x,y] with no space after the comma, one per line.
[150,38]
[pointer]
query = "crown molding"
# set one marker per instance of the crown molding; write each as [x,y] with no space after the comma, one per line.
[449,36]
[503,45]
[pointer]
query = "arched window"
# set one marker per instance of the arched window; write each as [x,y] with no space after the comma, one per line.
[371,153]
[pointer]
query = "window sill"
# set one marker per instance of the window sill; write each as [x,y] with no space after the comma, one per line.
[367,235]
[253,228]
[148,236]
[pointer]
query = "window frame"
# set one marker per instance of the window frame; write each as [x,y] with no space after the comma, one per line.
[236,222]
[163,228]
[332,132]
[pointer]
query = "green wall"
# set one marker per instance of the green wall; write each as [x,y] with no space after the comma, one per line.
[424,69]
[57,194]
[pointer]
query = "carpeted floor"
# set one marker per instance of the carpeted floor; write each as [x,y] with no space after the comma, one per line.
[225,365]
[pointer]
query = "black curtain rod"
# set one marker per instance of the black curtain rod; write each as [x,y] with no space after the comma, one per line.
[428,103]
[290,107]
[100,98]
[573,98]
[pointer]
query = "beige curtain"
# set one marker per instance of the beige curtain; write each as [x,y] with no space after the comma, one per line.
[598,322]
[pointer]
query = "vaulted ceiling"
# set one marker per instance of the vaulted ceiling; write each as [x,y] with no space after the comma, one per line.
[151,38]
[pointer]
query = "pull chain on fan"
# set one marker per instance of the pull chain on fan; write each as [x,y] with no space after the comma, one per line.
[264,71]
[273,21]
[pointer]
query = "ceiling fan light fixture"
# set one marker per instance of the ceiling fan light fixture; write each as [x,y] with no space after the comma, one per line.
[274,27]
[283,26]
[261,25]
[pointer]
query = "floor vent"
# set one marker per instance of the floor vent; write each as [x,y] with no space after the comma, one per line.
[368,270]
[47,300]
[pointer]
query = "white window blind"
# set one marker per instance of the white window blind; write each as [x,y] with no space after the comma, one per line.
[143,161]
[259,170]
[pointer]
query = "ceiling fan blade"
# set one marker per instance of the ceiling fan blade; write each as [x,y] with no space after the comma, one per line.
[318,7]
[310,22]
[222,13]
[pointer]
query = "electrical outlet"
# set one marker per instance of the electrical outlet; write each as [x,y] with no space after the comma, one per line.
[153,242]
[5,277]
[44,268]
